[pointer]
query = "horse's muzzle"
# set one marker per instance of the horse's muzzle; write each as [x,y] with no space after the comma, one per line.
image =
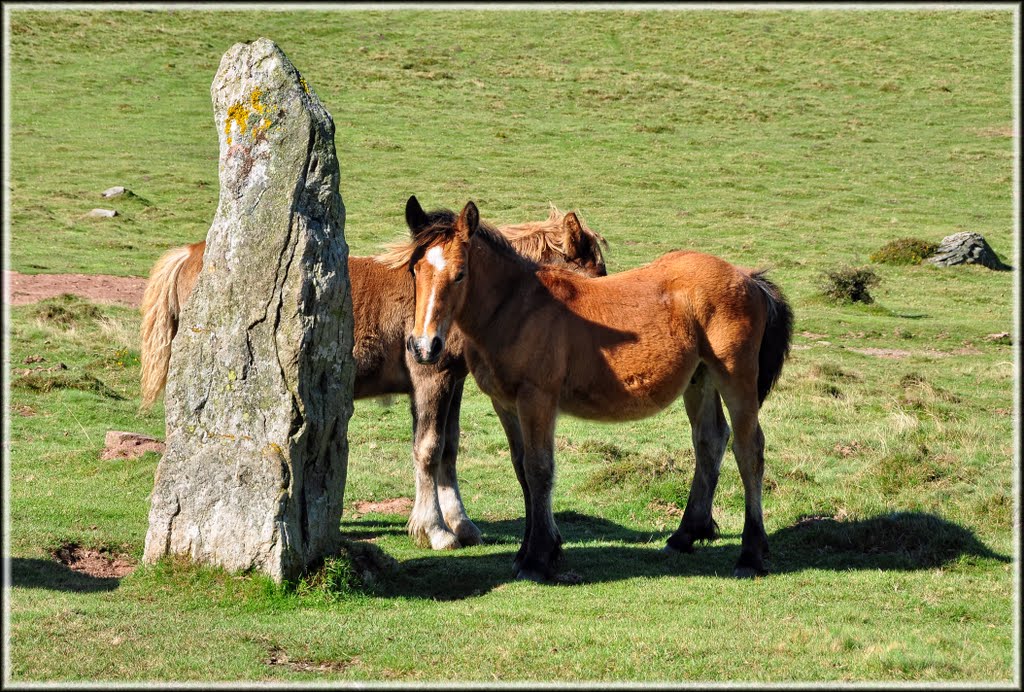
[425,350]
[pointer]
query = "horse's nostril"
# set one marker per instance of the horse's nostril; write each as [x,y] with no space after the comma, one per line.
[435,345]
[410,344]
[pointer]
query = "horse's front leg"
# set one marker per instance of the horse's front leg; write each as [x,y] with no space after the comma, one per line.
[447,482]
[537,413]
[514,433]
[429,402]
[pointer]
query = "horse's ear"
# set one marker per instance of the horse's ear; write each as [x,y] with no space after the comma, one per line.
[469,221]
[415,217]
[574,235]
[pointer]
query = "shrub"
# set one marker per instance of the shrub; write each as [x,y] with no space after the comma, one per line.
[904,251]
[849,284]
[66,311]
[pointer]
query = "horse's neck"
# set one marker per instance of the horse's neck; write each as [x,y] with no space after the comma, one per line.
[495,283]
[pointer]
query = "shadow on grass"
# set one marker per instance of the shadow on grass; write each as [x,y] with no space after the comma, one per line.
[34,573]
[903,541]
[510,532]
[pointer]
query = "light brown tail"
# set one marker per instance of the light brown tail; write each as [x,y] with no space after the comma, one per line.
[170,283]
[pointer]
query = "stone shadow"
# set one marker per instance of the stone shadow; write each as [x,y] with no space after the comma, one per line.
[36,573]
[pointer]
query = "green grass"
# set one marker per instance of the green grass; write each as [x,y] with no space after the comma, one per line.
[802,141]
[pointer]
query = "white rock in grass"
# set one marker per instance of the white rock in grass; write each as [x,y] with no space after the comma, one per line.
[103,213]
[115,191]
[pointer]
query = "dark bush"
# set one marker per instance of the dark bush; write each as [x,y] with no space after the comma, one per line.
[849,284]
[904,251]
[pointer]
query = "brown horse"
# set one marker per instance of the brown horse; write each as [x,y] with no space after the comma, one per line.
[542,340]
[383,309]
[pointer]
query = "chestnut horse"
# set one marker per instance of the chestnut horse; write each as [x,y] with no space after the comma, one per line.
[383,304]
[542,340]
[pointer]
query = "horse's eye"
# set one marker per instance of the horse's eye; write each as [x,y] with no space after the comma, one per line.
[460,276]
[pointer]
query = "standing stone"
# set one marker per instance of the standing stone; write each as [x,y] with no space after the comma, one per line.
[966,248]
[259,391]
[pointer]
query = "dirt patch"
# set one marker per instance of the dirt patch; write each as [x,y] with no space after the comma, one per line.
[1005,131]
[848,449]
[395,505]
[882,352]
[96,563]
[669,508]
[128,445]
[30,288]
[279,657]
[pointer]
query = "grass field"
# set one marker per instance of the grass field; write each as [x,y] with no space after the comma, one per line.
[797,140]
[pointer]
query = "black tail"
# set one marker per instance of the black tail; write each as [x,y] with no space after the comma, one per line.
[778,332]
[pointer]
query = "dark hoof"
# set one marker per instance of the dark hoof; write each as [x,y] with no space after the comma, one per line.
[678,544]
[748,567]
[531,575]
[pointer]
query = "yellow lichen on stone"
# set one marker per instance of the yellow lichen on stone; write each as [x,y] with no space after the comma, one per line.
[305,87]
[237,113]
[260,109]
[254,101]
[241,113]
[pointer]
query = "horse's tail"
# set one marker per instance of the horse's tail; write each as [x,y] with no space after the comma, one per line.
[778,332]
[170,282]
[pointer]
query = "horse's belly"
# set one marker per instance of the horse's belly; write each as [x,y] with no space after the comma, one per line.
[627,396]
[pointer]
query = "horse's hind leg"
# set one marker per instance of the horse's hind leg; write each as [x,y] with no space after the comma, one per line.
[710,434]
[514,433]
[740,395]
[447,482]
[429,399]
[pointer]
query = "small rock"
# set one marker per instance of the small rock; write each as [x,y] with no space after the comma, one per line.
[103,213]
[1001,337]
[114,191]
[33,359]
[966,248]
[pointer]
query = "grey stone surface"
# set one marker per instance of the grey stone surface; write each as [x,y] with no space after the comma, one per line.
[259,391]
[114,191]
[103,213]
[966,248]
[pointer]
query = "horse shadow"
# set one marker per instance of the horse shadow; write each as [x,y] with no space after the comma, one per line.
[35,573]
[900,541]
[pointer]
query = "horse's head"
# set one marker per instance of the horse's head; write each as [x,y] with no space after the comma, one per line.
[438,266]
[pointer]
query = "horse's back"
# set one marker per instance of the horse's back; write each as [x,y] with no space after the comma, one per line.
[641,333]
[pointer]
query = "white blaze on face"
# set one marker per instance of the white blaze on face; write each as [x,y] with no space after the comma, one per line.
[430,312]
[435,257]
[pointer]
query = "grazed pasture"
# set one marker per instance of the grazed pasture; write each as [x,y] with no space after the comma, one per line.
[798,140]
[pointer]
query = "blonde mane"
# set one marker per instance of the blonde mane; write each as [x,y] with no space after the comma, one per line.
[532,239]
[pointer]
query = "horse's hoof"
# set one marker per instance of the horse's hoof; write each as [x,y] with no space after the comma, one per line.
[669,550]
[445,541]
[745,573]
[531,575]
[679,544]
[469,534]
